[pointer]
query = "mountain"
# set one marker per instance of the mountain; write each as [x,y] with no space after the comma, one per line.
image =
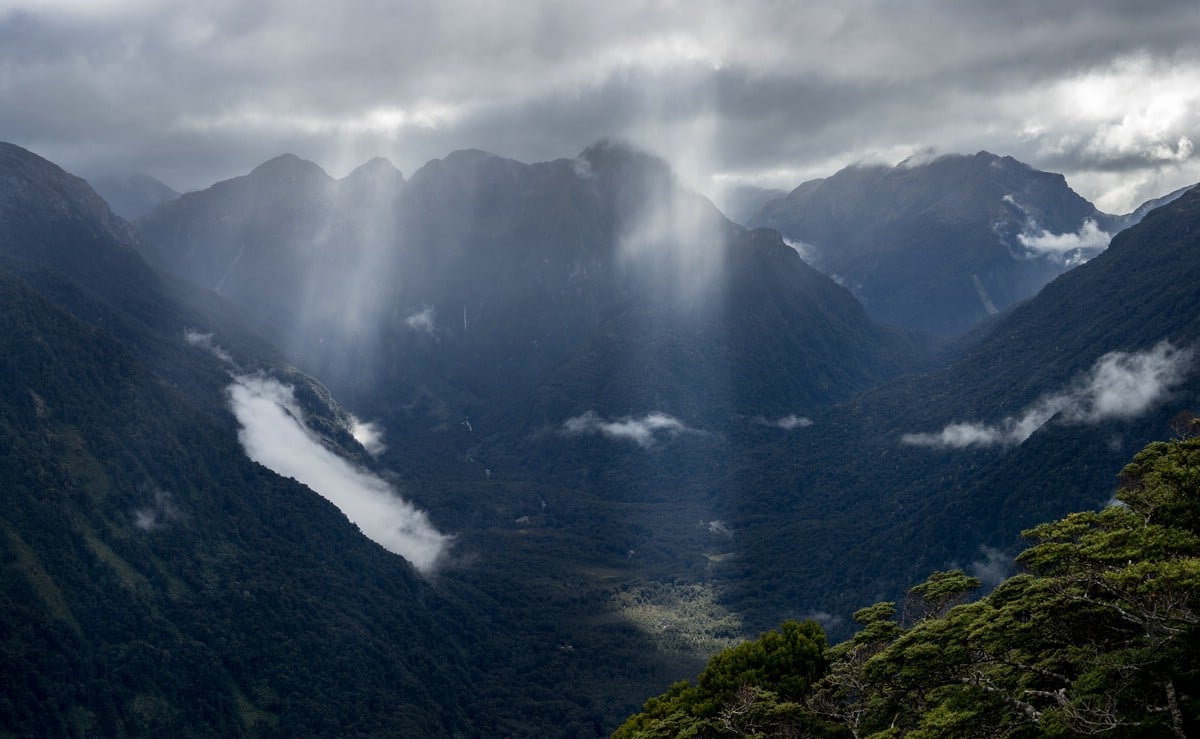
[479,276]
[645,431]
[557,352]
[156,580]
[946,468]
[742,202]
[133,196]
[1117,224]
[939,245]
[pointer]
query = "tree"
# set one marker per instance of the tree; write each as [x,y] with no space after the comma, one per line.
[1099,636]
[756,688]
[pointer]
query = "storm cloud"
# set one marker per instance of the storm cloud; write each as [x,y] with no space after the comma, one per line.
[756,92]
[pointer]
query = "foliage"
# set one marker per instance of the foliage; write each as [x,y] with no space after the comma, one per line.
[753,689]
[1099,635]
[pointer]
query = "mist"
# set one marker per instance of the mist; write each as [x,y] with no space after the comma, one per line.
[645,431]
[1071,249]
[1119,386]
[275,435]
[993,567]
[370,435]
[423,321]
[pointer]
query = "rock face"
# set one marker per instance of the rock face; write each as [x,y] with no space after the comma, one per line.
[940,245]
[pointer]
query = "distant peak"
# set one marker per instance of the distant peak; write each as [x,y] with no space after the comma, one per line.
[288,165]
[377,167]
[470,156]
[609,154]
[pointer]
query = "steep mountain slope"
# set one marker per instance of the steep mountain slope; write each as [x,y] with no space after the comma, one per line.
[941,244]
[743,202]
[132,196]
[947,467]
[500,319]
[155,580]
[480,275]
[287,619]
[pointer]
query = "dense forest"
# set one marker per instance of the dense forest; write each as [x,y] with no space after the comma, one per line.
[1098,635]
[627,493]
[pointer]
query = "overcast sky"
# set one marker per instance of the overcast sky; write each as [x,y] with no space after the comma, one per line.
[756,91]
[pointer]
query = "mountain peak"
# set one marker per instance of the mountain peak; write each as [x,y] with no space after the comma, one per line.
[376,175]
[289,166]
[470,156]
[29,184]
[939,241]
[609,155]
[375,167]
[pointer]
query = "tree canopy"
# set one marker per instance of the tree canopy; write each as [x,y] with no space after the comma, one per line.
[1098,635]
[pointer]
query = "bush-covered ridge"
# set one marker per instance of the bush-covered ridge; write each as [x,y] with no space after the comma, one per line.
[1097,636]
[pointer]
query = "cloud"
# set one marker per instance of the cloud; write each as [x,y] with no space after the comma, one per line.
[787,423]
[370,435]
[275,435]
[644,431]
[719,528]
[808,252]
[993,568]
[1071,249]
[1119,386]
[159,514]
[827,620]
[205,341]
[424,320]
[772,93]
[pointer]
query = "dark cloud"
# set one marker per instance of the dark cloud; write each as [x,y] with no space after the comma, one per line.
[761,92]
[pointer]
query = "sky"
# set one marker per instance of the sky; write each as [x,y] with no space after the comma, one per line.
[759,92]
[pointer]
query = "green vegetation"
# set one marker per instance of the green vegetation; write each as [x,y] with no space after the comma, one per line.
[1099,635]
[686,618]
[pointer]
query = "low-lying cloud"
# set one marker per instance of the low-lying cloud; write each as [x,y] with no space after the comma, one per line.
[644,431]
[275,435]
[161,513]
[1119,385]
[424,320]
[1068,249]
[205,341]
[1071,249]
[369,434]
[992,568]
[808,252]
[787,423]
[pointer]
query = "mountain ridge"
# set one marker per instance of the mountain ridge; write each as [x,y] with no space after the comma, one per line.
[939,244]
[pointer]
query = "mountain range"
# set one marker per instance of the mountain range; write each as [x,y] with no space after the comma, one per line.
[939,244]
[634,431]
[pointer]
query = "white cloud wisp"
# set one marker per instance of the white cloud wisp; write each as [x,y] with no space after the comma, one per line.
[1071,249]
[1119,385]
[789,422]
[423,321]
[274,434]
[644,431]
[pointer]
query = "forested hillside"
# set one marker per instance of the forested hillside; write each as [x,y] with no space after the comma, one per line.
[620,420]
[1099,634]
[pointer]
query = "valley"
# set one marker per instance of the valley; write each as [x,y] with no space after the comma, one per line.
[637,432]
